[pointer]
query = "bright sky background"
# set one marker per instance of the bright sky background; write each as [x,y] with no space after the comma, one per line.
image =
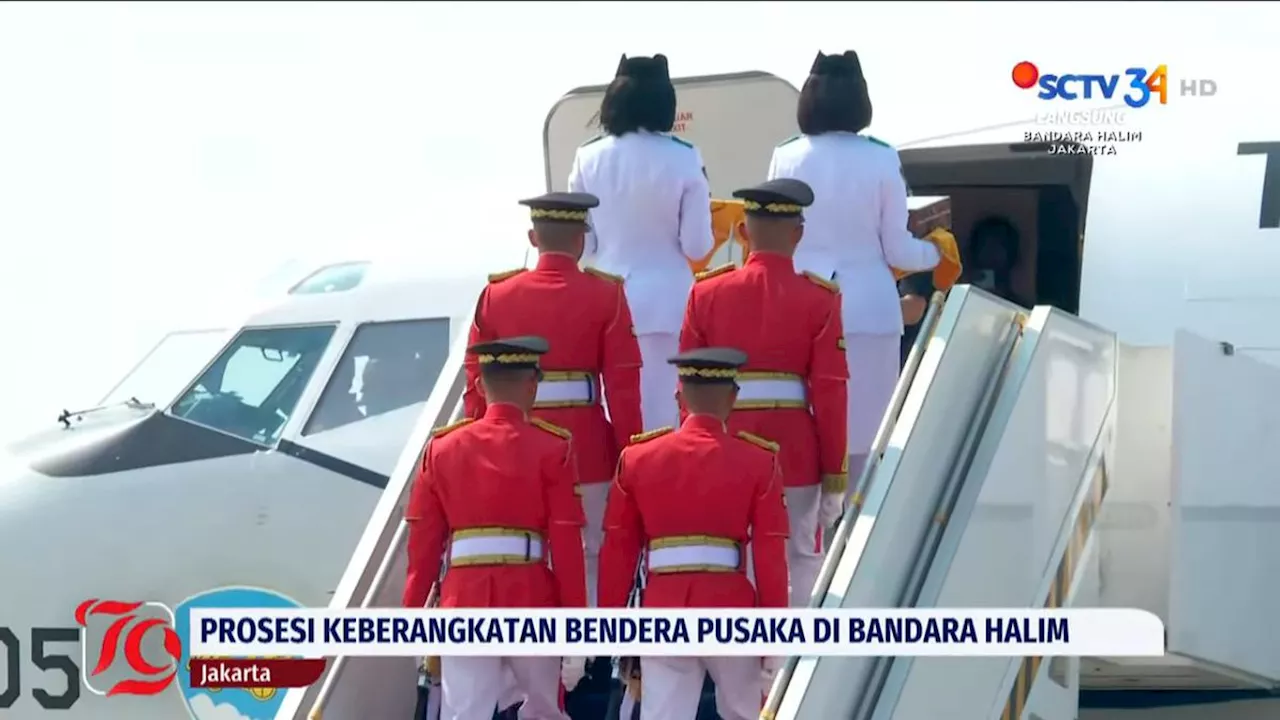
[156,156]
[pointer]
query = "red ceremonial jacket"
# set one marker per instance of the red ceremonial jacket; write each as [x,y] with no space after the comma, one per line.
[785,323]
[501,471]
[586,321]
[698,480]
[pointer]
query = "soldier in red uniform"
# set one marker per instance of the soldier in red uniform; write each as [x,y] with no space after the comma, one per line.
[497,493]
[793,388]
[692,499]
[585,318]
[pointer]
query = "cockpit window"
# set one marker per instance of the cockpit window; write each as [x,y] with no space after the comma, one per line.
[334,278]
[253,387]
[163,372]
[377,391]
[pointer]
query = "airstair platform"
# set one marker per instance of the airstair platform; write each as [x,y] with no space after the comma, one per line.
[986,480]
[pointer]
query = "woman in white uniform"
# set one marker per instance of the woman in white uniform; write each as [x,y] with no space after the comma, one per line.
[654,217]
[854,232]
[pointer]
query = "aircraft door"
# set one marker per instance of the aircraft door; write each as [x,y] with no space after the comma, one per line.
[1224,572]
[735,120]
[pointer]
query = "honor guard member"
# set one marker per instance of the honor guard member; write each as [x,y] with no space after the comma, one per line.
[585,318]
[497,495]
[692,499]
[793,388]
[654,215]
[855,231]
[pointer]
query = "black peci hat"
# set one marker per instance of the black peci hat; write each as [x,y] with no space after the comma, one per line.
[846,64]
[644,68]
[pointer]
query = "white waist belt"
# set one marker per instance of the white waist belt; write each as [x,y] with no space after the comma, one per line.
[575,390]
[771,389]
[694,558]
[496,549]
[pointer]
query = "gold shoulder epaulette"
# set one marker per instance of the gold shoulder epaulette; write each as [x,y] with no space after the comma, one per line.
[647,436]
[499,277]
[602,274]
[817,279]
[446,429]
[551,428]
[714,272]
[758,441]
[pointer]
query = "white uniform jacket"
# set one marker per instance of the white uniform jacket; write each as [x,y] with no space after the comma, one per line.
[857,226]
[654,217]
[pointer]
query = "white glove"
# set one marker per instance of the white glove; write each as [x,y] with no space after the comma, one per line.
[830,509]
[572,670]
[769,668]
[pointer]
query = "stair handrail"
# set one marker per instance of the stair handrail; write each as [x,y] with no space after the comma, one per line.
[840,538]
[945,510]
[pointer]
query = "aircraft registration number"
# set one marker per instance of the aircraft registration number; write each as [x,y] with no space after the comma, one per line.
[47,660]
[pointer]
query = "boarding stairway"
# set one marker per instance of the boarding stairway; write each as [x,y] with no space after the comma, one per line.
[988,473]
[982,491]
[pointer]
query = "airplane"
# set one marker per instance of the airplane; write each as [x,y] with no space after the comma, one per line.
[1134,324]
[319,521]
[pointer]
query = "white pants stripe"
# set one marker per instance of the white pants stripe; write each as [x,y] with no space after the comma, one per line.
[658,380]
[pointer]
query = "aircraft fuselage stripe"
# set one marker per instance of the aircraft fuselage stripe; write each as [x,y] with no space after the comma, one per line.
[333,464]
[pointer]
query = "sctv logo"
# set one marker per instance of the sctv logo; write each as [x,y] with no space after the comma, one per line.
[1138,85]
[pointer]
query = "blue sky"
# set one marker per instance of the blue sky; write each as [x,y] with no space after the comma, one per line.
[156,159]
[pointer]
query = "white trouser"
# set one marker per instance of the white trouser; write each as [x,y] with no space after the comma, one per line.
[658,380]
[511,691]
[594,498]
[433,700]
[804,546]
[856,463]
[628,706]
[874,364]
[673,687]
[472,687]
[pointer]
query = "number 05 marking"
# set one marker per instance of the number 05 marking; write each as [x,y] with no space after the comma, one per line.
[44,661]
[13,681]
